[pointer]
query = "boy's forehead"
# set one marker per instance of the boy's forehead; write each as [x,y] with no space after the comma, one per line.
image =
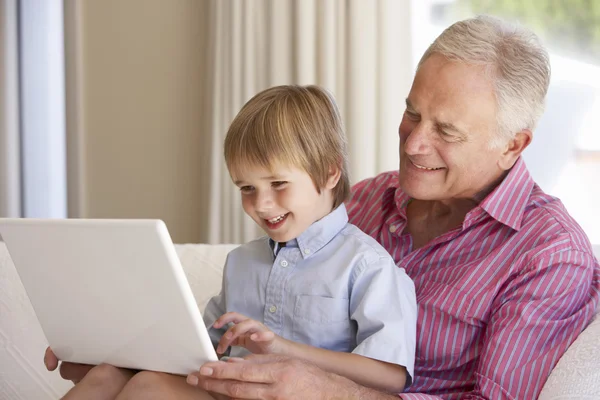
[257,172]
[253,172]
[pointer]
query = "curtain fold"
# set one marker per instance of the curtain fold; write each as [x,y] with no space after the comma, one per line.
[10,175]
[359,50]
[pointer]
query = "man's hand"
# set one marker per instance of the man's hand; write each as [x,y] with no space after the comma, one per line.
[248,333]
[269,377]
[69,371]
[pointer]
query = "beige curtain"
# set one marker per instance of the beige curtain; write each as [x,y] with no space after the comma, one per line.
[10,199]
[358,49]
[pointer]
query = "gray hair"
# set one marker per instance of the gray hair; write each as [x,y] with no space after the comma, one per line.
[516,61]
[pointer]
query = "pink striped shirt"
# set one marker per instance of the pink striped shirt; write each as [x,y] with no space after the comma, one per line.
[500,299]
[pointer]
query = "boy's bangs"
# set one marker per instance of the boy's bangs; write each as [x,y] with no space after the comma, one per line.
[257,151]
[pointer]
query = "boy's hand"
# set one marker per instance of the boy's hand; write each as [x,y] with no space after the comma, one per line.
[248,333]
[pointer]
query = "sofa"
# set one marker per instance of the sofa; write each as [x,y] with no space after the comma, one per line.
[22,343]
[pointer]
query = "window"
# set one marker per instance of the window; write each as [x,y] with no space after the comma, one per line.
[564,157]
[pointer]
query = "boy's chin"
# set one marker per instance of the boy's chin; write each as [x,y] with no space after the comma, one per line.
[282,236]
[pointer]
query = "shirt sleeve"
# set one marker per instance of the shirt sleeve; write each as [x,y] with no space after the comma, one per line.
[383,305]
[533,322]
[216,307]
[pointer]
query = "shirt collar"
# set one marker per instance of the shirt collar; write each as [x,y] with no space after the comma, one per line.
[318,234]
[401,199]
[276,246]
[507,202]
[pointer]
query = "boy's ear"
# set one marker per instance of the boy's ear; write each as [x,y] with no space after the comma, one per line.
[334,175]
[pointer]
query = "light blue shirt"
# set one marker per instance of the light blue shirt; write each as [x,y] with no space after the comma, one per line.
[334,287]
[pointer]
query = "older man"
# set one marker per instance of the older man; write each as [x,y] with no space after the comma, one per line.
[505,278]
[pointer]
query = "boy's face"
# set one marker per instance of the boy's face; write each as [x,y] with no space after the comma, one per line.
[283,203]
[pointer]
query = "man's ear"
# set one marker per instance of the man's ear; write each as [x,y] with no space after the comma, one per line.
[334,175]
[514,148]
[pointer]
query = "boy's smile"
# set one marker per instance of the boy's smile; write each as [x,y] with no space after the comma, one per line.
[283,203]
[274,223]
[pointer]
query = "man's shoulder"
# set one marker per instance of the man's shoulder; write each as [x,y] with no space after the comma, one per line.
[378,183]
[377,190]
[546,217]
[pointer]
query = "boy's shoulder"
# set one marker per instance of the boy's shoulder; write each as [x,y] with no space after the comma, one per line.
[354,238]
[253,249]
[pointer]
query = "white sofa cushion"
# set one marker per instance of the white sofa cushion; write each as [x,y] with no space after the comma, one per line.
[203,265]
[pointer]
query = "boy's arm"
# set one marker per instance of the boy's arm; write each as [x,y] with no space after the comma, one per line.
[216,307]
[383,305]
[362,370]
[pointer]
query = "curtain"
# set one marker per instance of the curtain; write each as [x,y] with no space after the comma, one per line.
[359,50]
[10,190]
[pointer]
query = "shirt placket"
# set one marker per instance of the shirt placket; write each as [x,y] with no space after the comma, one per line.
[274,299]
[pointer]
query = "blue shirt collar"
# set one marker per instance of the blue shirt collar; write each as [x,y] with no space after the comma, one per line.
[318,234]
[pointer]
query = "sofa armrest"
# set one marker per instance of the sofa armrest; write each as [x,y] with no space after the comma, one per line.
[577,374]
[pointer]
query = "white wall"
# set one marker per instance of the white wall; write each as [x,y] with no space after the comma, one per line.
[134,84]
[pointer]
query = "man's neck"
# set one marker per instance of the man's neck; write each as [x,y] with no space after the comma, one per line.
[456,209]
[446,210]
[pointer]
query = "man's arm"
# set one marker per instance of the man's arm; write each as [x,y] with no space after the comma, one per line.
[278,377]
[534,320]
[68,371]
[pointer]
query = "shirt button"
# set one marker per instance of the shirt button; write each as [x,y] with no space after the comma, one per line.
[393,228]
[272,309]
[284,263]
[306,251]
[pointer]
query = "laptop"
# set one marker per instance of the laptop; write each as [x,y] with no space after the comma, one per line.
[109,291]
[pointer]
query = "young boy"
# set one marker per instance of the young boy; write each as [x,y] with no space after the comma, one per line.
[316,288]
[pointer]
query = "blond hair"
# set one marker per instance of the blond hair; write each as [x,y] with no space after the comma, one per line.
[291,125]
[516,62]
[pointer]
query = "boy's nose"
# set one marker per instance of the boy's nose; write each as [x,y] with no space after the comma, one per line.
[264,202]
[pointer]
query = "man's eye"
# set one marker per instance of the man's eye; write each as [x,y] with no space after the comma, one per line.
[278,184]
[447,136]
[411,115]
[247,189]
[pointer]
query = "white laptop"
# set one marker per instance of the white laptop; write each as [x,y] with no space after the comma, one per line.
[109,291]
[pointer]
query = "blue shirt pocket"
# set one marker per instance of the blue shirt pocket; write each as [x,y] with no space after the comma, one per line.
[323,322]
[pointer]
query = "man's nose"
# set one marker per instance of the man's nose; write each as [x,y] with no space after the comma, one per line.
[418,141]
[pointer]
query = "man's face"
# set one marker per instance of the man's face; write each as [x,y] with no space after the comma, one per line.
[445,133]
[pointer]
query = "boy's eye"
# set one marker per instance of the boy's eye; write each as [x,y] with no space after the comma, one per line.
[278,184]
[247,189]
